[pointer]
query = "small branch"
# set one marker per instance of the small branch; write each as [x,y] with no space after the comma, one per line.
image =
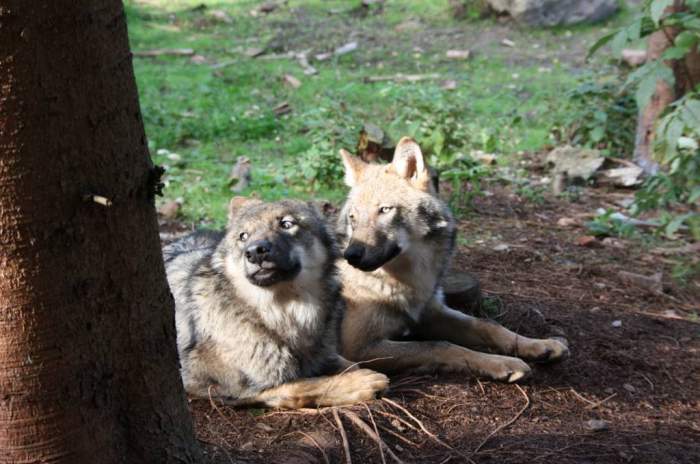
[164,51]
[343,435]
[505,424]
[355,419]
[402,78]
[598,403]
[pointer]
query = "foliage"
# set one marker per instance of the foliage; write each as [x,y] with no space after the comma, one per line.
[601,116]
[219,107]
[678,132]
[607,224]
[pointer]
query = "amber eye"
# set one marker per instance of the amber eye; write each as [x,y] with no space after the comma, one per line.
[243,237]
[385,209]
[287,224]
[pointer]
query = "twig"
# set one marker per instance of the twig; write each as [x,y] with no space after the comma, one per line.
[579,396]
[598,403]
[213,405]
[354,418]
[317,445]
[403,421]
[425,430]
[376,431]
[505,424]
[398,435]
[402,78]
[165,51]
[343,435]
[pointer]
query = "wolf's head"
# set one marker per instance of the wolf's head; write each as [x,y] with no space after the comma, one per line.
[272,243]
[391,209]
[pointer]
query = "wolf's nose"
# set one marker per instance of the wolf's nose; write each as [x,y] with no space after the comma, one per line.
[354,253]
[258,251]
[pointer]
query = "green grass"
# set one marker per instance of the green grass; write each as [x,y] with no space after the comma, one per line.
[506,101]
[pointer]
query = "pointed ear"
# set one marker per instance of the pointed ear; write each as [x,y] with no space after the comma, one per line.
[237,203]
[354,167]
[408,161]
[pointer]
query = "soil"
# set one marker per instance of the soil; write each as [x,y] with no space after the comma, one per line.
[634,362]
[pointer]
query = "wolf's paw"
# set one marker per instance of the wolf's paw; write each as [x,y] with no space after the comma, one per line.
[548,350]
[507,369]
[359,385]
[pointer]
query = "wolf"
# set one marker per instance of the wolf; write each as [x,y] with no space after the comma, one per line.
[258,309]
[398,239]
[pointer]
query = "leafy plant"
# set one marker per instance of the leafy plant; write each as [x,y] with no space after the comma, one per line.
[606,224]
[678,132]
[601,116]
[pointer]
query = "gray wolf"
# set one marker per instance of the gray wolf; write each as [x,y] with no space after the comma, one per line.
[398,240]
[258,309]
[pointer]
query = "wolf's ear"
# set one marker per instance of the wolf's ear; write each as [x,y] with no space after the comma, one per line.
[354,167]
[408,163]
[237,203]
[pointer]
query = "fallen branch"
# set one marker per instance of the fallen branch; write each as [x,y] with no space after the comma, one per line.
[165,52]
[505,424]
[343,436]
[402,78]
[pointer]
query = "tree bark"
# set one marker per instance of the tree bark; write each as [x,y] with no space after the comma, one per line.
[659,41]
[88,364]
[687,76]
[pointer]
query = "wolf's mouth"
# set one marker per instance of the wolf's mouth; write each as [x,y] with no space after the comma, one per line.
[370,262]
[270,274]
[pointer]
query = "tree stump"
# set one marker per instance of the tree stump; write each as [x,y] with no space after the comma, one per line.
[462,291]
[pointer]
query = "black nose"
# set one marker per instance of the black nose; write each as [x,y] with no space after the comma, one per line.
[354,253]
[258,251]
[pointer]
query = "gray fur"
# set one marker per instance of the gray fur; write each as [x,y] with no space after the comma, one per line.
[239,338]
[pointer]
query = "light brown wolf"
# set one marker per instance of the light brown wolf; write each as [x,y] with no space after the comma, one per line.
[399,238]
[258,309]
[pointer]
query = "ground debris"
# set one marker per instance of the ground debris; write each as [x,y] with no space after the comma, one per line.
[164,52]
[458,54]
[653,283]
[241,175]
[597,425]
[402,77]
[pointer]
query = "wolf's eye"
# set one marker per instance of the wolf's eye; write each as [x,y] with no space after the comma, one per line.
[243,237]
[287,224]
[385,209]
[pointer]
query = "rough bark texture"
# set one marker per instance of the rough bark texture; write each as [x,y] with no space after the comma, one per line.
[88,365]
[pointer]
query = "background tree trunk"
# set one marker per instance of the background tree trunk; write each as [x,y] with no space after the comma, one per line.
[88,364]
[687,75]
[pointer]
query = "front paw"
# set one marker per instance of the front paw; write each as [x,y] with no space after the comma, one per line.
[507,369]
[548,350]
[358,385]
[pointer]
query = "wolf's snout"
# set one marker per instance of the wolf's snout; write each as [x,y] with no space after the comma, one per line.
[258,251]
[354,254]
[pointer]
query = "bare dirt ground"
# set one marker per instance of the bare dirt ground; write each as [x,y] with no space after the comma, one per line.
[641,378]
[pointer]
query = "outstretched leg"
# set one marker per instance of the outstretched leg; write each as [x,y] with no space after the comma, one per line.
[443,323]
[429,356]
[336,390]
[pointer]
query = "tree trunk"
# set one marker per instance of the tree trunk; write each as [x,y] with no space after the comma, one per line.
[659,41]
[687,75]
[88,364]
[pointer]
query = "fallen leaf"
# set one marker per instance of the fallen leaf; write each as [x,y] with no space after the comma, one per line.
[458,54]
[253,52]
[198,59]
[344,49]
[587,241]
[291,81]
[507,43]
[567,222]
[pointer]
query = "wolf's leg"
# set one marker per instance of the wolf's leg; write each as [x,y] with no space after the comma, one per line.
[336,390]
[443,323]
[428,356]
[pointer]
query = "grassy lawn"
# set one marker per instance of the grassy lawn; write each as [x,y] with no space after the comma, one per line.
[203,112]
